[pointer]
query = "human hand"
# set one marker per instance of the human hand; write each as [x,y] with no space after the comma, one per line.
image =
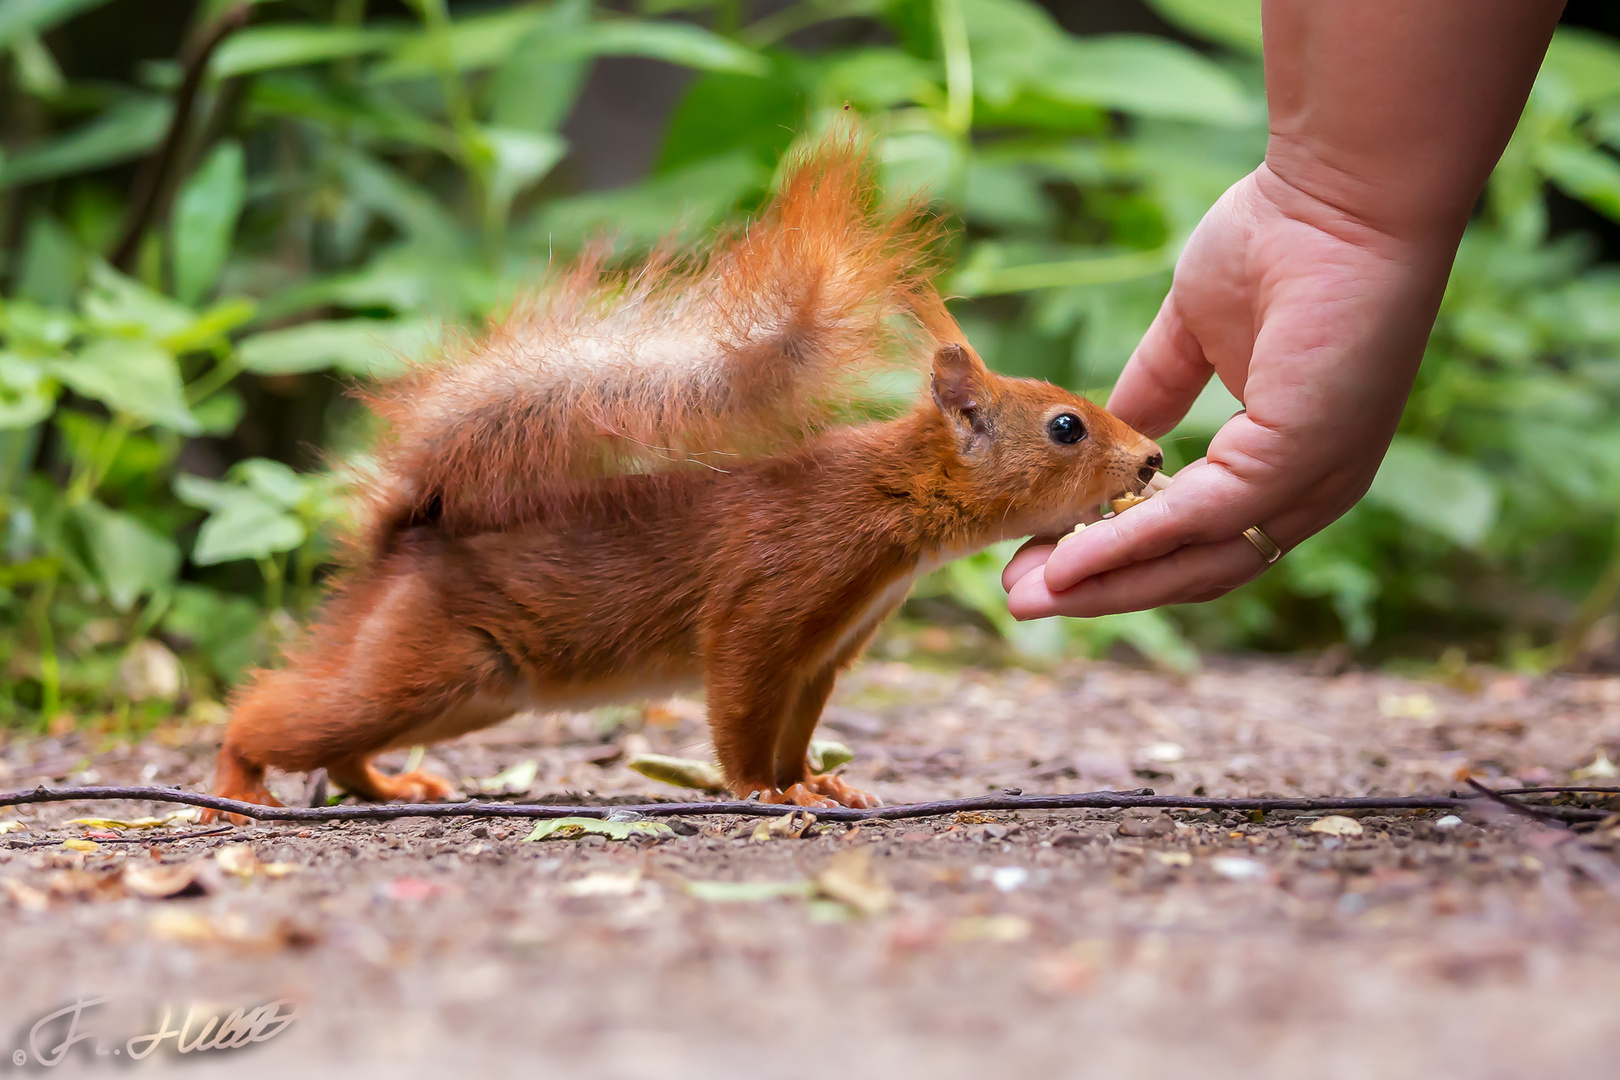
[1317,323]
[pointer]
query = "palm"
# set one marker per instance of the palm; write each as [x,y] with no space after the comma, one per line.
[1316,324]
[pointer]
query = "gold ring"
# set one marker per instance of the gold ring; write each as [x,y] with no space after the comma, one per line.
[1265,545]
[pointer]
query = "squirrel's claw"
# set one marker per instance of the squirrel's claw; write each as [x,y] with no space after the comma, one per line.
[839,792]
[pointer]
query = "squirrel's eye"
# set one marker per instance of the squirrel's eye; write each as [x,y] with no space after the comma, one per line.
[1066,428]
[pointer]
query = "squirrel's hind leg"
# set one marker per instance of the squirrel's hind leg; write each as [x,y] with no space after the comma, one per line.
[804,787]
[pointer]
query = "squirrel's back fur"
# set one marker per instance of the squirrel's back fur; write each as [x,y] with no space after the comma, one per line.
[747,351]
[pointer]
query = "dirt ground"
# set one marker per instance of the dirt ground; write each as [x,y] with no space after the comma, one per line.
[1054,944]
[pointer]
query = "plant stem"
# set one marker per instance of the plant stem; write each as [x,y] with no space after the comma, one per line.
[274,570]
[89,477]
[50,667]
[1597,603]
[953,39]
[154,182]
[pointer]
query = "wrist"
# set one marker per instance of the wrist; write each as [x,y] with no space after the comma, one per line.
[1414,207]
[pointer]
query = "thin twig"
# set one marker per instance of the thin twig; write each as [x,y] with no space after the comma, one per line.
[154,180]
[1092,800]
[1576,851]
[1534,813]
[151,839]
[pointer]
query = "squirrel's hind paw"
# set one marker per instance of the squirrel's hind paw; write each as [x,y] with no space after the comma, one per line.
[236,778]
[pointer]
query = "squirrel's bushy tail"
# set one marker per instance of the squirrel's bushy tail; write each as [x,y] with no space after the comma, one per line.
[744,351]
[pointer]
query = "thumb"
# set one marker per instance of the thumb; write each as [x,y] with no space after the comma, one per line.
[1163,376]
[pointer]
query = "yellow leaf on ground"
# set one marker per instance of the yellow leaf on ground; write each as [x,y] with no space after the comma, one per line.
[119,823]
[851,879]
[1336,825]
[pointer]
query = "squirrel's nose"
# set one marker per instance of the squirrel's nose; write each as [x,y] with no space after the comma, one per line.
[1150,465]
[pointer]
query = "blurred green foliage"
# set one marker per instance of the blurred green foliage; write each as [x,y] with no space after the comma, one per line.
[353,187]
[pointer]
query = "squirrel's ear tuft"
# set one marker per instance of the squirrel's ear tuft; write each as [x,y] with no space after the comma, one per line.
[961,386]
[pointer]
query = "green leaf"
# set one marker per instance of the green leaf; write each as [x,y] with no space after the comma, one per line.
[1233,23]
[22,17]
[679,771]
[521,158]
[677,43]
[373,347]
[880,79]
[129,559]
[1012,43]
[1148,76]
[242,524]
[827,754]
[572,828]
[273,481]
[136,378]
[411,208]
[475,42]
[220,412]
[246,530]
[121,305]
[228,629]
[1587,62]
[1585,173]
[126,130]
[535,87]
[27,396]
[722,112]
[52,264]
[205,214]
[691,198]
[361,110]
[1428,487]
[203,493]
[261,48]
[748,892]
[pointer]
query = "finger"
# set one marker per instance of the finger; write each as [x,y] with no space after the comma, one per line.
[1163,377]
[1208,502]
[1188,575]
[1030,557]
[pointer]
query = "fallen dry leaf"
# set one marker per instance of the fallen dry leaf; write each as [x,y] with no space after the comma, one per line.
[1174,858]
[827,754]
[238,860]
[84,885]
[11,826]
[120,823]
[81,845]
[1601,768]
[603,883]
[518,778]
[851,879]
[789,826]
[1004,929]
[1336,825]
[681,772]
[160,881]
[24,896]
[572,828]
[1237,868]
[727,892]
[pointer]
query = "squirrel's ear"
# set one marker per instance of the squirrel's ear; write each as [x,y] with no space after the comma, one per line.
[961,387]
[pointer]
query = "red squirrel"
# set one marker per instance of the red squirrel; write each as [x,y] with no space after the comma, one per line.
[641,482]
